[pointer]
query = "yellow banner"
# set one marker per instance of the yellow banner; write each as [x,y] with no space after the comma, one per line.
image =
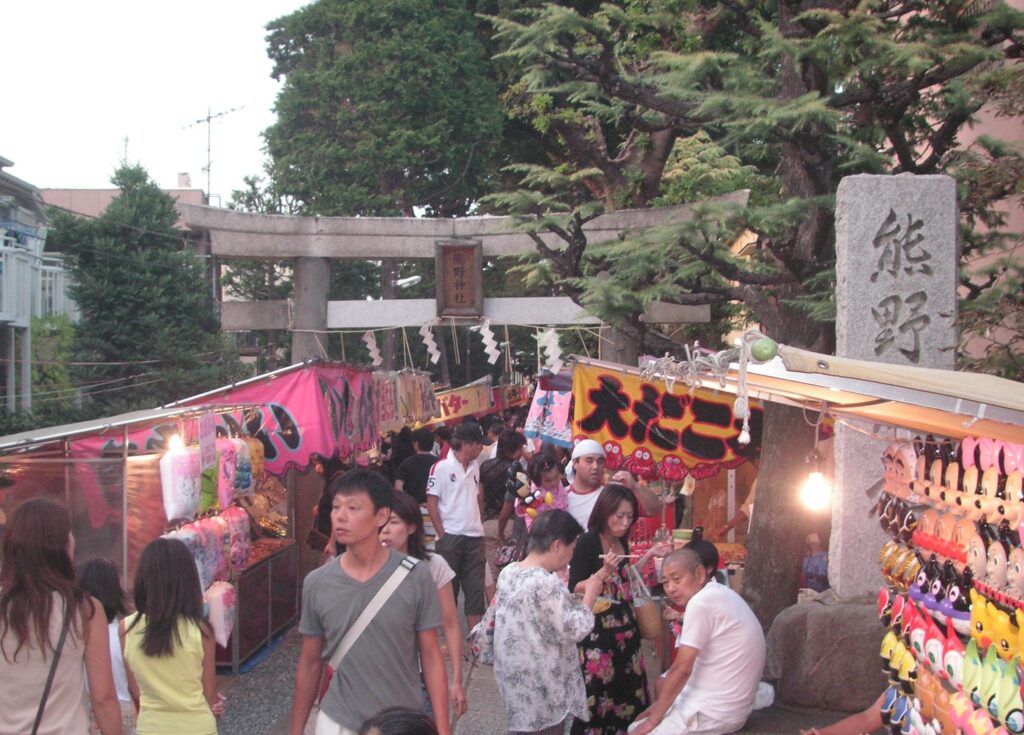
[655,432]
[458,403]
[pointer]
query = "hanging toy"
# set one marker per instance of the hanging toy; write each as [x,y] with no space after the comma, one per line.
[531,499]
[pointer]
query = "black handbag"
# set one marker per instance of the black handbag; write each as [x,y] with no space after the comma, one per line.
[53,671]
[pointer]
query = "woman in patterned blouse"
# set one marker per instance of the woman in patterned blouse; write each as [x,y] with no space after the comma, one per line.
[537,625]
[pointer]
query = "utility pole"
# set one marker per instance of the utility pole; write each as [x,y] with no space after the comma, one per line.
[208,121]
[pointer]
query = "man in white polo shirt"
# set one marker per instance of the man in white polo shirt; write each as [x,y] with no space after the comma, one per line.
[453,501]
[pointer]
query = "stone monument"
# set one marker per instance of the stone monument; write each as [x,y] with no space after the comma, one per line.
[897,261]
[896,276]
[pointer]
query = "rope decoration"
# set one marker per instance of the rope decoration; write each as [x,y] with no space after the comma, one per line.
[699,365]
[371,344]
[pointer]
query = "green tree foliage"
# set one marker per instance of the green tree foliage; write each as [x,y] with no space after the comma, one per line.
[385,108]
[804,93]
[796,95]
[52,345]
[148,334]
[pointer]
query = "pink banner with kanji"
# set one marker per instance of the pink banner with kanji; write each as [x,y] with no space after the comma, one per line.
[321,408]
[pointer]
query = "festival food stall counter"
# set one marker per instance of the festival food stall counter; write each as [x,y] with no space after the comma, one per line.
[267,587]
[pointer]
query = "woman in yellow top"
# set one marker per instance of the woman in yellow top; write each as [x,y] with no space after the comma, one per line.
[168,646]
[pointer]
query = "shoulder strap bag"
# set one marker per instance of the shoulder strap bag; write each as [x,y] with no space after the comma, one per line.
[378,601]
[53,670]
[353,633]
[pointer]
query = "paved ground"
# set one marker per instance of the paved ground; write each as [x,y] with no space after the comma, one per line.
[258,702]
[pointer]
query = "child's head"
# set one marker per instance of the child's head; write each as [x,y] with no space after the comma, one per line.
[545,472]
[99,578]
[166,589]
[399,721]
[707,552]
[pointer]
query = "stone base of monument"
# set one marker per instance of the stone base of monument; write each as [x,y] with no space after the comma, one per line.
[825,653]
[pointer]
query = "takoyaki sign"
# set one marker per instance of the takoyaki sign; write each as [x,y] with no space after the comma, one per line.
[655,432]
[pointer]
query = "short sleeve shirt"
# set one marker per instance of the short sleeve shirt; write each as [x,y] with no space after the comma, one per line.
[414,473]
[458,490]
[382,667]
[440,570]
[723,628]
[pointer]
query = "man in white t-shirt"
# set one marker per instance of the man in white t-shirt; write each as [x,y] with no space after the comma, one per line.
[453,501]
[588,479]
[710,687]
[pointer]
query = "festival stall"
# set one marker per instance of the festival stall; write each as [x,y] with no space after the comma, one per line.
[951,500]
[663,433]
[226,472]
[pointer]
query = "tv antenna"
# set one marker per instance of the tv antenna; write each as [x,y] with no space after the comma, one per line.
[208,121]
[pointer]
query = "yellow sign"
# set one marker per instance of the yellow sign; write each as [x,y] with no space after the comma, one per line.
[458,403]
[655,432]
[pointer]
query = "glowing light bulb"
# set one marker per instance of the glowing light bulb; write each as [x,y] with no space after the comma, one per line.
[816,493]
[175,443]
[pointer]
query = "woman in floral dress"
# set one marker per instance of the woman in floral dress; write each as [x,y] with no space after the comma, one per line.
[536,627]
[610,657]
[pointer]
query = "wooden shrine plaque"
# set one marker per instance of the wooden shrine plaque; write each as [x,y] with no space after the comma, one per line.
[460,288]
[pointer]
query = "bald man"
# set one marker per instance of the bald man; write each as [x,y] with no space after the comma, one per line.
[710,687]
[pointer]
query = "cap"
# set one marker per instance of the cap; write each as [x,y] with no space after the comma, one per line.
[469,432]
[587,448]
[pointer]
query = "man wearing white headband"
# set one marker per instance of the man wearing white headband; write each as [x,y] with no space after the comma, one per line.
[587,470]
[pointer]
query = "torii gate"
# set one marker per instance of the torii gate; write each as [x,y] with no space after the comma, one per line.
[311,242]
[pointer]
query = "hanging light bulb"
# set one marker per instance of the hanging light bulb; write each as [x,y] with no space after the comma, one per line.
[175,443]
[816,492]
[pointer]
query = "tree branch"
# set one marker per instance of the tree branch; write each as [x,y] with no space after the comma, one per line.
[730,270]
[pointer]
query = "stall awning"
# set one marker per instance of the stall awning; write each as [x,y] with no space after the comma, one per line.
[133,419]
[940,402]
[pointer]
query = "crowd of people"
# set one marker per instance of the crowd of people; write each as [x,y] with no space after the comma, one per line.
[553,583]
[72,657]
[565,638]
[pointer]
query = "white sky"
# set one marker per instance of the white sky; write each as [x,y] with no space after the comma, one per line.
[78,77]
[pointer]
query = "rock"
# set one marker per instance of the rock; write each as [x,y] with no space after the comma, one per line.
[826,656]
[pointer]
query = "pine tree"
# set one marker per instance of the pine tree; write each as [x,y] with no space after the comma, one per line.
[148,334]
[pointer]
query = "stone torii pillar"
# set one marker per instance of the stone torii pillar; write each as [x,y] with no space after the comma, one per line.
[309,307]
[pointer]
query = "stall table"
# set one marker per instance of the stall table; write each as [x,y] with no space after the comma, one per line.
[268,599]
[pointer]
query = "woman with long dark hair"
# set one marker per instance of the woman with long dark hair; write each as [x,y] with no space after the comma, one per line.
[44,617]
[168,646]
[404,533]
[613,666]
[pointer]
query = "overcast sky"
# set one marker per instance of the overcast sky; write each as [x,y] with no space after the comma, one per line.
[80,77]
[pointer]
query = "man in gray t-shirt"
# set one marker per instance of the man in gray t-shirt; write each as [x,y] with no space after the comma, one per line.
[382,668]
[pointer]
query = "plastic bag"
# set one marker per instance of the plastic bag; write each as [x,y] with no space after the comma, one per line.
[641,594]
[179,480]
[481,638]
[221,604]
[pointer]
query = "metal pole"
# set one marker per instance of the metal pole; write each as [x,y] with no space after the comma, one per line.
[124,503]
